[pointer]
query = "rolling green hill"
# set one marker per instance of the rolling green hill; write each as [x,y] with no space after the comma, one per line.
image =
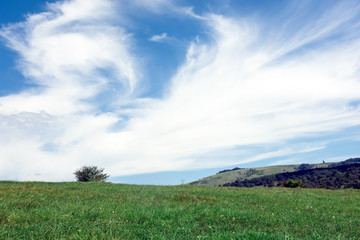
[96,210]
[228,176]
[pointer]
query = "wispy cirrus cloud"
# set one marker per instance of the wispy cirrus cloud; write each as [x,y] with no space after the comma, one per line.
[71,54]
[230,94]
[236,92]
[65,53]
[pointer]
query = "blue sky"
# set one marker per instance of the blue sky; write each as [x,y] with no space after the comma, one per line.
[164,92]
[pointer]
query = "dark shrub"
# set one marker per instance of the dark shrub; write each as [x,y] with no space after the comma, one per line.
[292,183]
[90,174]
[304,166]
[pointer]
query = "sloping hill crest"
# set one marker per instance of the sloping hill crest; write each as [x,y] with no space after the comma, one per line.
[240,174]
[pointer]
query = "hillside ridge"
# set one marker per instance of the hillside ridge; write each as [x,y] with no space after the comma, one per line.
[241,174]
[334,177]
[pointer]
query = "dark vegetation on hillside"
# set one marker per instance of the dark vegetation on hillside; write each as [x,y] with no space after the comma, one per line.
[346,162]
[345,175]
[228,170]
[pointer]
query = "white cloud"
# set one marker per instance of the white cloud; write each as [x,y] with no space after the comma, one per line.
[65,51]
[230,94]
[240,90]
[163,7]
[71,53]
[159,38]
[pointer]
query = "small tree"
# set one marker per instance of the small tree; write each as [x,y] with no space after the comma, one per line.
[90,174]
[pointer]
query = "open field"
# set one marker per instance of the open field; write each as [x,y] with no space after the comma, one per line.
[30,210]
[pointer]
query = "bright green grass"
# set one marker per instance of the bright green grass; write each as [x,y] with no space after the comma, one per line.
[114,211]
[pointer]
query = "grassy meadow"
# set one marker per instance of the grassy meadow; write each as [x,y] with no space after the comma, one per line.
[33,210]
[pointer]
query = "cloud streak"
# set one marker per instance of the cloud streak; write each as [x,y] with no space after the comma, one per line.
[159,38]
[236,90]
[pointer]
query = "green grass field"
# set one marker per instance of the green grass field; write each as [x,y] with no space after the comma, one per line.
[115,211]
